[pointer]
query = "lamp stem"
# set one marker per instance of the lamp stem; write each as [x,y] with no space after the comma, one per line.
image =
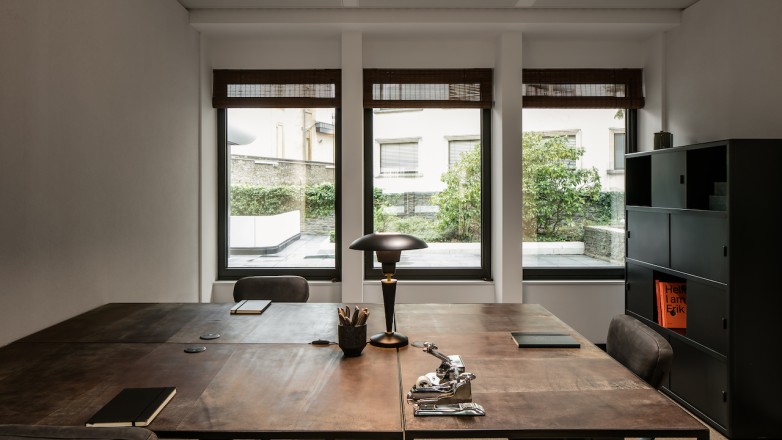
[389,298]
[389,338]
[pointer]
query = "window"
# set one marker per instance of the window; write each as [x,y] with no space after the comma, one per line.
[398,157]
[429,171]
[573,186]
[458,145]
[570,138]
[278,142]
[618,146]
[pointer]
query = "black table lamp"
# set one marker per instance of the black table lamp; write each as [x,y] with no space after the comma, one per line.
[388,246]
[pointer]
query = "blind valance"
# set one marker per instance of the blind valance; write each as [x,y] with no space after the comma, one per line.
[427,88]
[276,88]
[582,88]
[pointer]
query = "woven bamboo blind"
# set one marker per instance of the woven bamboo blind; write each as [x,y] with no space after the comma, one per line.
[276,88]
[583,88]
[427,88]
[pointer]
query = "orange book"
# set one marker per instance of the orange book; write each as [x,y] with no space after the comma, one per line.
[672,308]
[658,301]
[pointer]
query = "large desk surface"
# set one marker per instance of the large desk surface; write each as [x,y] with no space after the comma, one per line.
[262,378]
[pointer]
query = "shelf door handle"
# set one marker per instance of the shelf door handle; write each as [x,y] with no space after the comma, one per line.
[681,179]
[724,251]
[724,396]
[724,323]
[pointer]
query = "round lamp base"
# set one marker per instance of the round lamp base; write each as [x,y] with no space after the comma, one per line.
[388,340]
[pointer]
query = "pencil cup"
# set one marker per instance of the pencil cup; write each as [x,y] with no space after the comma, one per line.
[352,339]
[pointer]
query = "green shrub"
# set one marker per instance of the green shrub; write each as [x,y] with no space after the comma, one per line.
[319,200]
[556,195]
[422,227]
[264,200]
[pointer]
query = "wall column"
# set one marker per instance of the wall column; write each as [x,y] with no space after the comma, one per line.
[352,166]
[506,170]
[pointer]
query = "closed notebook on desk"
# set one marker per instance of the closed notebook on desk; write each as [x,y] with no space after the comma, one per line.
[250,306]
[133,407]
[545,340]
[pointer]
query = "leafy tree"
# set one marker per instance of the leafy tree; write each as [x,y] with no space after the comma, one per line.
[459,217]
[382,220]
[556,194]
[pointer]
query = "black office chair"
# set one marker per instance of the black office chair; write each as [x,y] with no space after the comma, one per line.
[279,288]
[639,348]
[50,432]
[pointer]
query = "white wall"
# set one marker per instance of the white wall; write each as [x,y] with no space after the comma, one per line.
[722,71]
[99,147]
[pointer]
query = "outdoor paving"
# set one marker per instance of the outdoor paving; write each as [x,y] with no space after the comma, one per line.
[316,251]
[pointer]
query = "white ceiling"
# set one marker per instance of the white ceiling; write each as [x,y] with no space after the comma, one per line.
[438,4]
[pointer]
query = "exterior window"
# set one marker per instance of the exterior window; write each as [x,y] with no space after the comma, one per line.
[398,158]
[457,147]
[618,146]
[570,137]
[278,141]
[430,168]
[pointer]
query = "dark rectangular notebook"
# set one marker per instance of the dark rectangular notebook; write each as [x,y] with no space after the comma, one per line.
[133,407]
[545,340]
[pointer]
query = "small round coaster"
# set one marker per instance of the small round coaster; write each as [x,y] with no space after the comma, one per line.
[209,336]
[195,349]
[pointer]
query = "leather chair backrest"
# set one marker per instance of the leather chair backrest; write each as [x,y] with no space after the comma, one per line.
[639,348]
[279,288]
[50,432]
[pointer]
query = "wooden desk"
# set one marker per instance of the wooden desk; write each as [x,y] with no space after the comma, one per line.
[542,392]
[262,379]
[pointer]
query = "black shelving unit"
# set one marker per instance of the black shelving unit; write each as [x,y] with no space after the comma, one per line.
[705,215]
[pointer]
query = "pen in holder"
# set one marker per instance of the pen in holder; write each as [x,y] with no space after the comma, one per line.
[352,331]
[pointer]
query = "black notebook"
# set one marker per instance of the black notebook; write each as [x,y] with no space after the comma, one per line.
[133,407]
[545,340]
[250,306]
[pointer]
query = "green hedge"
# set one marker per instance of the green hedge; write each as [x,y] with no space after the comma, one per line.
[315,200]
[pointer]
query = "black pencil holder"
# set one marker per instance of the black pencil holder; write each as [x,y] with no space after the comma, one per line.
[352,339]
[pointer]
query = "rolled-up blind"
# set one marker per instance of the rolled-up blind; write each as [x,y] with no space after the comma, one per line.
[276,88]
[582,88]
[427,88]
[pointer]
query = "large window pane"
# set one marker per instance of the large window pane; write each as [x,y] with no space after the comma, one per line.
[427,182]
[573,188]
[281,185]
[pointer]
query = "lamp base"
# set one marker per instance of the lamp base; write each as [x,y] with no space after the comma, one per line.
[388,340]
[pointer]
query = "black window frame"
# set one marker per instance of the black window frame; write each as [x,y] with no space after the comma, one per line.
[221,103]
[432,273]
[589,273]
[631,83]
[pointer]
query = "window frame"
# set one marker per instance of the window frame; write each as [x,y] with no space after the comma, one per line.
[223,215]
[631,82]
[273,88]
[432,273]
[589,273]
[612,169]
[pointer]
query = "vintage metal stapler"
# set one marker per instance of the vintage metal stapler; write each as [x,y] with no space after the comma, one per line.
[446,391]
